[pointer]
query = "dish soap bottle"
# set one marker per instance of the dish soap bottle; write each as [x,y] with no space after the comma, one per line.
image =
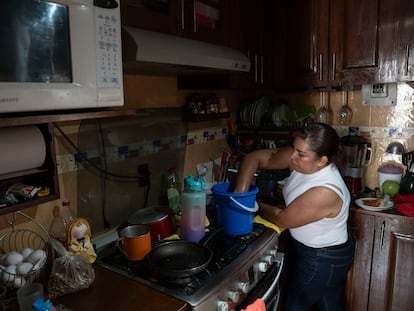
[173,191]
[193,209]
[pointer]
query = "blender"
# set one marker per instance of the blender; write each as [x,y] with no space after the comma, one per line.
[358,155]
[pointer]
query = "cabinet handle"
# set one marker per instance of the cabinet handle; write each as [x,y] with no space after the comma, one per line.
[382,235]
[333,66]
[255,69]
[320,66]
[182,15]
[407,55]
[194,16]
[262,69]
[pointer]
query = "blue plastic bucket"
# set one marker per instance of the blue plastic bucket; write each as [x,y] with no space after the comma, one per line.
[234,211]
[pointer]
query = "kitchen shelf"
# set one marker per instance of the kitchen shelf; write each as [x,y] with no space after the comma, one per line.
[207,117]
[29,118]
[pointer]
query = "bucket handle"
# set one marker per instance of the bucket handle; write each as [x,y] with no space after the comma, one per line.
[252,210]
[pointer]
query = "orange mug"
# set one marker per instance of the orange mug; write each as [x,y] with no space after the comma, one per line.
[134,241]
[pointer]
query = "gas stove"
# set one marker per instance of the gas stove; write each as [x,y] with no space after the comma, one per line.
[232,277]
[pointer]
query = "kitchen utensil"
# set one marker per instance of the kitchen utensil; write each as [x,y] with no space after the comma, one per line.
[158,221]
[134,241]
[179,259]
[345,112]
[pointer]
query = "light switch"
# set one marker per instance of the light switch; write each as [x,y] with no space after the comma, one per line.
[380,94]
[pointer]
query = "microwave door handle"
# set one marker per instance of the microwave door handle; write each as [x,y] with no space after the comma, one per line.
[267,295]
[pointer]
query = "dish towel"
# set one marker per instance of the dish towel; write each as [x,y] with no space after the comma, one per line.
[260,220]
[258,305]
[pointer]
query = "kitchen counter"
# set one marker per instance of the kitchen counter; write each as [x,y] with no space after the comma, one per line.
[111,291]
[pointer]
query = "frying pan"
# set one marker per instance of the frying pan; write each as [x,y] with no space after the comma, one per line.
[179,259]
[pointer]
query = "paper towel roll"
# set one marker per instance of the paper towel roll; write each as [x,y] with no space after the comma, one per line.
[21,148]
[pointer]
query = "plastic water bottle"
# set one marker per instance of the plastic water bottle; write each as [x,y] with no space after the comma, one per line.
[193,209]
[173,191]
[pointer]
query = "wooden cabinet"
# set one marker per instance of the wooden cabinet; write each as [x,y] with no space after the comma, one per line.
[383,270]
[204,20]
[405,54]
[333,43]
[253,35]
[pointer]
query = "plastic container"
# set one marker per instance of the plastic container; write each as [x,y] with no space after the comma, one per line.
[173,191]
[389,172]
[235,211]
[193,209]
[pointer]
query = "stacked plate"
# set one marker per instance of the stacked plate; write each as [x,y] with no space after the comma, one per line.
[253,113]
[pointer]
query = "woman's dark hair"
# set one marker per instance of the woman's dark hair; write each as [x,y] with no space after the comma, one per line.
[323,140]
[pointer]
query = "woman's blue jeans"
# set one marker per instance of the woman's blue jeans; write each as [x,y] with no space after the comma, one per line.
[316,276]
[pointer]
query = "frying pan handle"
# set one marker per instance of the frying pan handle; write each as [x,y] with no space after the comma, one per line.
[249,209]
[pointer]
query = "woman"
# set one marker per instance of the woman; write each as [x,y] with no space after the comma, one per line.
[316,213]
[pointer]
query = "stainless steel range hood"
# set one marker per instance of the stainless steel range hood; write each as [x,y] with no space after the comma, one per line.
[152,52]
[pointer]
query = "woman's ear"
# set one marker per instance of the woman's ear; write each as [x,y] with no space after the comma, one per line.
[323,161]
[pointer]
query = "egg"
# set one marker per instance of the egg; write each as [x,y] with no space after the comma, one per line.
[24,267]
[26,252]
[13,258]
[37,258]
[9,275]
[19,281]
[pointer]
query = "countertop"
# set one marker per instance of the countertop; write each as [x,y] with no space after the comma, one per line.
[111,291]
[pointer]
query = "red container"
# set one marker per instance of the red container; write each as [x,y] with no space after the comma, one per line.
[158,221]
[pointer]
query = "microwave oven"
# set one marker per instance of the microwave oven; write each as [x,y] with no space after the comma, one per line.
[60,54]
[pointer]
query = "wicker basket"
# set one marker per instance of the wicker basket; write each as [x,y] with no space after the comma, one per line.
[19,240]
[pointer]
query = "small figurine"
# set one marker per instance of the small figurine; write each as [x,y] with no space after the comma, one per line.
[79,239]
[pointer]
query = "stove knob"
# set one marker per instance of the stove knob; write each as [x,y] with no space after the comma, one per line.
[243,286]
[273,252]
[268,259]
[262,266]
[222,306]
[234,296]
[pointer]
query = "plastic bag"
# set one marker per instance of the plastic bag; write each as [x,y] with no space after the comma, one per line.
[70,273]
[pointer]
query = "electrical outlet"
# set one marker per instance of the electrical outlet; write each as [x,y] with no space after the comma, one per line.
[143,175]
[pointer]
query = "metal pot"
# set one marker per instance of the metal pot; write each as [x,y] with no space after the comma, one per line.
[158,221]
[179,259]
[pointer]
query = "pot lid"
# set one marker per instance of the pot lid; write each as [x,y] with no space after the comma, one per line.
[146,216]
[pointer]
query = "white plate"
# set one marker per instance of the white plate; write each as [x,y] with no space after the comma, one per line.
[360,203]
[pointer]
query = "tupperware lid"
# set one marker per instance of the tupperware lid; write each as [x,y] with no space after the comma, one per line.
[390,169]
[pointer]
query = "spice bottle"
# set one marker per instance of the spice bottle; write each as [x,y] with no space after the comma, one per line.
[193,209]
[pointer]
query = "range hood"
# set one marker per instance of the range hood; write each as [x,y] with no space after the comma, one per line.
[153,52]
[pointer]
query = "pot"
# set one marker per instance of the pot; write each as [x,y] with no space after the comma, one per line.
[179,259]
[134,241]
[158,221]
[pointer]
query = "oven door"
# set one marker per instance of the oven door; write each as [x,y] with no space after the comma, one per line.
[268,288]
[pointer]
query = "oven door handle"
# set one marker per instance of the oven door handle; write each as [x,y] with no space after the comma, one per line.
[270,290]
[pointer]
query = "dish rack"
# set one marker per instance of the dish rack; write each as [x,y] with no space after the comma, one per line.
[23,241]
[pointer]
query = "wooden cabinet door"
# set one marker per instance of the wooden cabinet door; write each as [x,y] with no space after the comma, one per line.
[254,37]
[307,24]
[161,16]
[406,40]
[358,280]
[196,19]
[392,276]
[207,20]
[362,42]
